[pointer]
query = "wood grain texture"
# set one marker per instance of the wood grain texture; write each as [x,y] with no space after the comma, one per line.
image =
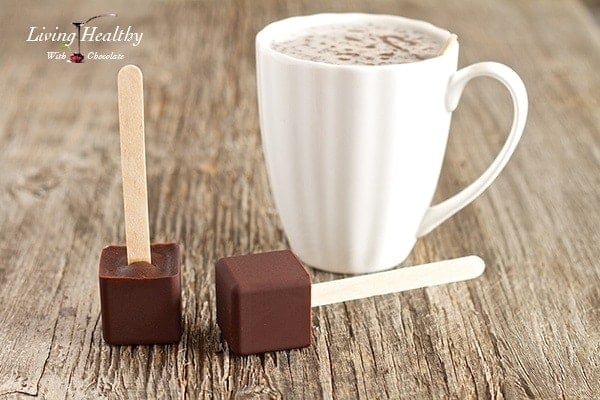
[528,328]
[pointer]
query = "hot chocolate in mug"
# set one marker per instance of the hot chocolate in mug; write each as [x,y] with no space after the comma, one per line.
[354,151]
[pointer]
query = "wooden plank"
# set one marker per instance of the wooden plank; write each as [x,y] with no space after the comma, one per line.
[528,328]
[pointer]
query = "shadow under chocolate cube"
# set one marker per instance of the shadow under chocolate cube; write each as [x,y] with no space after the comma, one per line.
[141,302]
[263,302]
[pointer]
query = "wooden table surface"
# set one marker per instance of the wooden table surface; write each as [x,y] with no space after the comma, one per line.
[528,328]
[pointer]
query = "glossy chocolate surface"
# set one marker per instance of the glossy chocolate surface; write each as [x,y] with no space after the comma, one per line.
[141,302]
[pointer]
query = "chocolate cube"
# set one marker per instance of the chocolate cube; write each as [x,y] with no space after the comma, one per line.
[263,302]
[141,302]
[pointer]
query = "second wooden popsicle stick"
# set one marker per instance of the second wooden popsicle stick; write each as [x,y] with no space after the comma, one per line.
[449,42]
[407,278]
[133,163]
[264,300]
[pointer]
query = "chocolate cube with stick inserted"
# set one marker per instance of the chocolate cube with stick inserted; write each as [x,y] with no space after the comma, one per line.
[140,283]
[141,302]
[264,300]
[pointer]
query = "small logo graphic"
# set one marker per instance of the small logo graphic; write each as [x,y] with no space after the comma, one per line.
[84,32]
[78,57]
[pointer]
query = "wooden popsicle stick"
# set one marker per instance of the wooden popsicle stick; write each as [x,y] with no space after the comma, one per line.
[449,42]
[133,163]
[399,280]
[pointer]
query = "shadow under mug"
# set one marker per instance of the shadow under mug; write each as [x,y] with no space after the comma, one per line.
[354,152]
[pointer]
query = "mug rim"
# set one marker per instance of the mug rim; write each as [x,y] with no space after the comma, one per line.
[265,37]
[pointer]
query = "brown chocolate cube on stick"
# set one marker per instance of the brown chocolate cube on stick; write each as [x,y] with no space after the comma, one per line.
[140,284]
[264,300]
[141,302]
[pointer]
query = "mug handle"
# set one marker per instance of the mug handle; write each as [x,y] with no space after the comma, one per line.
[440,212]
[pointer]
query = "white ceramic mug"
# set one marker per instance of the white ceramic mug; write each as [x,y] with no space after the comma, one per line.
[354,152]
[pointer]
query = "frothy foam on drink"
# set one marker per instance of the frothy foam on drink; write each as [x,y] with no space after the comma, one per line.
[361,43]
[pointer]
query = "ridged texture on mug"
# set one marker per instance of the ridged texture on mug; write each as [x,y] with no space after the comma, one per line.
[353,157]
